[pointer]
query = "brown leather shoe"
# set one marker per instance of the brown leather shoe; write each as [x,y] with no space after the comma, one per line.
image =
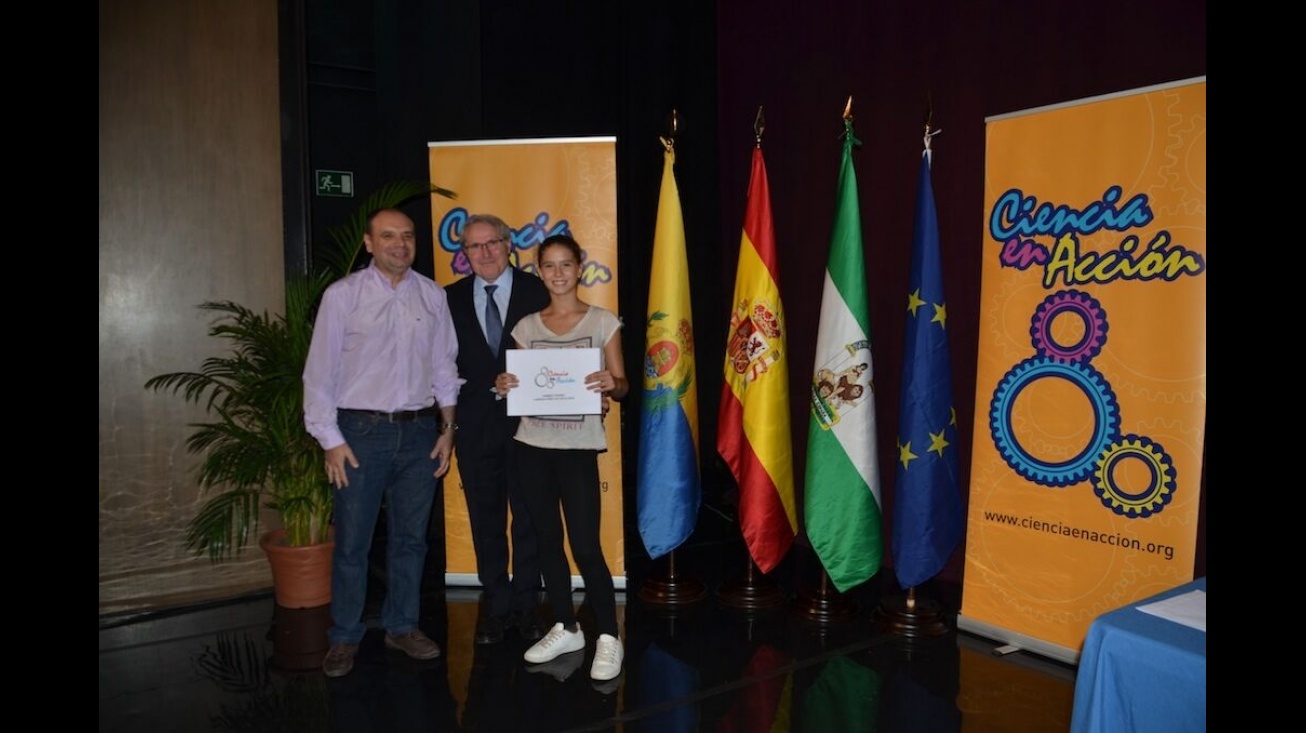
[415,644]
[339,660]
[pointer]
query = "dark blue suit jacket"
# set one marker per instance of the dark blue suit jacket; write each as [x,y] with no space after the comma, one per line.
[483,421]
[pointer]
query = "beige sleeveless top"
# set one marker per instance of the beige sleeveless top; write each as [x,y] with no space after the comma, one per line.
[566,432]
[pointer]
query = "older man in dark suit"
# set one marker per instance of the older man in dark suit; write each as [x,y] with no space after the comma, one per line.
[485,306]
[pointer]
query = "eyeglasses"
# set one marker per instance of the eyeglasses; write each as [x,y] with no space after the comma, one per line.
[476,247]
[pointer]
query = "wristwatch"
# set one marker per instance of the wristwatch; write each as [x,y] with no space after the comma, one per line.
[448,426]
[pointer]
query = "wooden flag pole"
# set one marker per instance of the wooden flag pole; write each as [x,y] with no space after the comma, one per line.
[756,592]
[825,605]
[909,616]
[671,591]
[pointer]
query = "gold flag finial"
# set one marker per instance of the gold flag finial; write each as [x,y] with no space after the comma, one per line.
[673,129]
[848,137]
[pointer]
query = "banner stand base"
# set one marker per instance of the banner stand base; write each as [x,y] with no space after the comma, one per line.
[1021,641]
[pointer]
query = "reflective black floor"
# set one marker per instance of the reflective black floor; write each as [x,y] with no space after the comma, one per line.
[815,662]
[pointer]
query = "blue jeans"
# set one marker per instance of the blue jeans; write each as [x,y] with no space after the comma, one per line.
[394,466]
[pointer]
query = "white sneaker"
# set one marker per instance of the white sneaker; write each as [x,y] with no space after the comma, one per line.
[557,642]
[561,668]
[607,658]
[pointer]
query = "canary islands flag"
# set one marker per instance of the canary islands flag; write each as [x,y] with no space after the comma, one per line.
[669,489]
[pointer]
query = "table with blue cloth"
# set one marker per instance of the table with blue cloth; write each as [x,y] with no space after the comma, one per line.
[1141,672]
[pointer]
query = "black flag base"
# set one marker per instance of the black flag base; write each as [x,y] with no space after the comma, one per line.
[671,591]
[754,593]
[910,616]
[825,605]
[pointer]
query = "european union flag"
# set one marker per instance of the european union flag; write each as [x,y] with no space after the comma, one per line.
[927,514]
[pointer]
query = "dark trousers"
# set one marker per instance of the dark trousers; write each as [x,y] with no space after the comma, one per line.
[491,487]
[569,479]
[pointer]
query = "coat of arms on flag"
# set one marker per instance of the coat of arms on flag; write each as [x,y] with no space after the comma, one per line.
[662,361]
[754,338]
[841,385]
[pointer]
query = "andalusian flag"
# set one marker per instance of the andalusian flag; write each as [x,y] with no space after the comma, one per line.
[753,425]
[927,516]
[842,499]
[845,696]
[669,489]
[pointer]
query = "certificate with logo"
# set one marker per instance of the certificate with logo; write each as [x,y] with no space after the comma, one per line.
[552,382]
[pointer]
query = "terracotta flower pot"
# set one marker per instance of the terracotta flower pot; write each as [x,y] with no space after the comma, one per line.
[301,576]
[299,637]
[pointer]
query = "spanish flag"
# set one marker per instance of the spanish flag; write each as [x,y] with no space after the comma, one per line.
[753,424]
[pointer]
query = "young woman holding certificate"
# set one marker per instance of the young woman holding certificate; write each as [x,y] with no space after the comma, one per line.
[558,462]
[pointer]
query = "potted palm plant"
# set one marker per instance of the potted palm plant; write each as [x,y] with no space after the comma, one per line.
[255,451]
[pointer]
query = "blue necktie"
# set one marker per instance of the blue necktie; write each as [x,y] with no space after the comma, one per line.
[493,322]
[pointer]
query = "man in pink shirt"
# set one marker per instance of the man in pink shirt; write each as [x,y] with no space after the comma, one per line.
[380,388]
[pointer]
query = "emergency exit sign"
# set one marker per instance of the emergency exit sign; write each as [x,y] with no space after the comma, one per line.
[335,183]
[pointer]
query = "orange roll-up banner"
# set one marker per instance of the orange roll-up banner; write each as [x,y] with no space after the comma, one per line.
[1090,404]
[539,187]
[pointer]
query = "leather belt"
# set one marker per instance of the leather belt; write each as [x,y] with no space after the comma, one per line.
[401,416]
